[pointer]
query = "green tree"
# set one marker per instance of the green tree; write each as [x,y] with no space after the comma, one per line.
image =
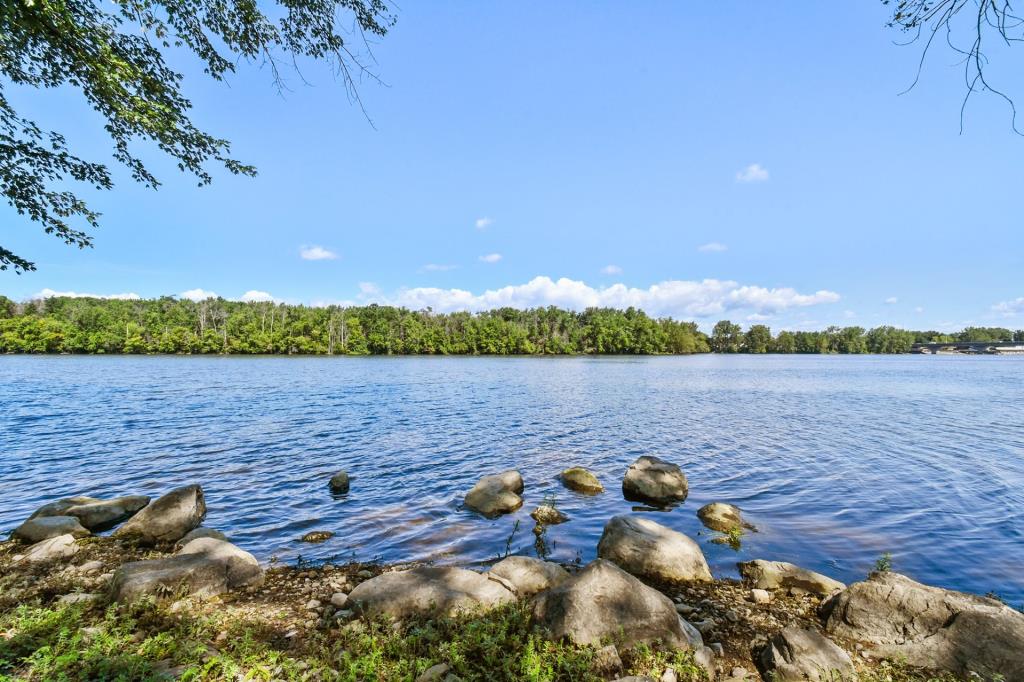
[117,55]
[785,342]
[726,337]
[758,339]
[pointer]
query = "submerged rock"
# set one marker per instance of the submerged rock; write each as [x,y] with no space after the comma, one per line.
[317,536]
[339,482]
[102,514]
[581,480]
[428,590]
[60,547]
[547,515]
[528,576]
[168,519]
[603,602]
[39,528]
[772,575]
[496,494]
[650,479]
[648,549]
[796,655]
[722,517]
[930,626]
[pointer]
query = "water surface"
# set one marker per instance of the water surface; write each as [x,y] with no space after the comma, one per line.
[836,459]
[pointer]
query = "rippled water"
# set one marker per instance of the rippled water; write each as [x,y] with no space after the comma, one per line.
[835,459]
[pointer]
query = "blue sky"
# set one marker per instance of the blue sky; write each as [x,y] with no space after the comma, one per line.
[745,160]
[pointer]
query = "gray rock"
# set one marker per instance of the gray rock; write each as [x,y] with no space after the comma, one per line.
[200,532]
[650,550]
[650,479]
[434,673]
[930,626]
[759,596]
[496,494]
[339,482]
[60,547]
[603,602]
[796,655]
[528,576]
[581,480]
[167,519]
[103,514]
[635,678]
[41,528]
[339,600]
[206,567]
[607,661]
[428,590]
[58,507]
[722,517]
[546,515]
[772,575]
[77,598]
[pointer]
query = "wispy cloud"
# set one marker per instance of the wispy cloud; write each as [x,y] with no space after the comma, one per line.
[491,258]
[679,298]
[849,314]
[1009,308]
[919,310]
[437,267]
[198,294]
[755,172]
[611,270]
[712,247]
[317,253]
[368,289]
[892,300]
[50,293]
[483,223]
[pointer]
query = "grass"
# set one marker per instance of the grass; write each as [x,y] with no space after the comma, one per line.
[884,563]
[146,641]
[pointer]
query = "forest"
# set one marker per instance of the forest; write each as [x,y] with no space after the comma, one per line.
[170,325]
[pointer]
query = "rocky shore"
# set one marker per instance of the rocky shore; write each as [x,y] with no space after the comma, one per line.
[171,598]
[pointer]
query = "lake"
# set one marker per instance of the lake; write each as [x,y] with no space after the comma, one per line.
[836,459]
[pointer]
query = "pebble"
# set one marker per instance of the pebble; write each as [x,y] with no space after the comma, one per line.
[669,676]
[434,673]
[738,672]
[684,609]
[732,616]
[312,604]
[718,649]
[339,599]
[704,626]
[91,566]
[760,596]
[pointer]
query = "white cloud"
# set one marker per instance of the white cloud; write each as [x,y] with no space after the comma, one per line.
[483,223]
[316,253]
[611,270]
[758,317]
[918,309]
[892,300]
[491,258]
[1009,308]
[254,296]
[678,298]
[368,289]
[50,293]
[436,267]
[755,172]
[849,314]
[198,294]
[712,247]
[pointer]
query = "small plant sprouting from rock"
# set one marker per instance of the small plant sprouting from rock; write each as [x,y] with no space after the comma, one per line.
[732,537]
[884,563]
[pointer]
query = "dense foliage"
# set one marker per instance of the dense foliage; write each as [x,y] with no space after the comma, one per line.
[170,325]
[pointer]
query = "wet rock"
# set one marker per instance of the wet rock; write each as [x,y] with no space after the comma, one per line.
[168,519]
[317,536]
[496,494]
[546,515]
[648,549]
[581,480]
[103,514]
[722,517]
[428,590]
[796,655]
[60,547]
[772,575]
[339,482]
[650,479]
[200,532]
[604,602]
[58,507]
[930,626]
[528,576]
[41,528]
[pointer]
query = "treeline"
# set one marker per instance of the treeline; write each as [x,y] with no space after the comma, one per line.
[214,326]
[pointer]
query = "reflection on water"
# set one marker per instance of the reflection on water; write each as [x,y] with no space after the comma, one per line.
[836,460]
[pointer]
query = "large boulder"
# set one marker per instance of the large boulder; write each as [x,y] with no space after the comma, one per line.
[428,590]
[930,626]
[200,532]
[648,549]
[39,528]
[796,654]
[650,479]
[773,575]
[60,547]
[205,567]
[58,507]
[527,576]
[581,480]
[167,519]
[103,514]
[496,494]
[602,602]
[722,517]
